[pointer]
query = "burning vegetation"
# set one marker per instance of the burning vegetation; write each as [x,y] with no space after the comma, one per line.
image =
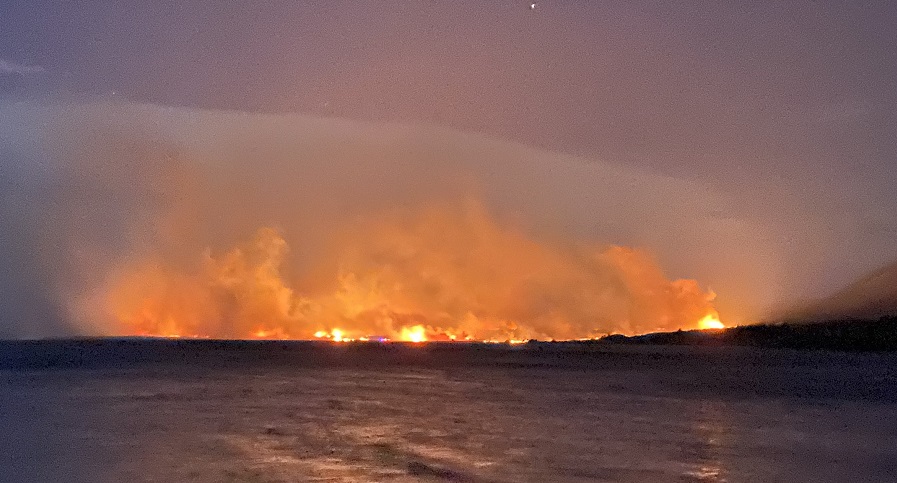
[148,220]
[434,275]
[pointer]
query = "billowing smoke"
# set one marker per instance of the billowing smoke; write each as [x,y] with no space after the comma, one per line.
[447,274]
[137,219]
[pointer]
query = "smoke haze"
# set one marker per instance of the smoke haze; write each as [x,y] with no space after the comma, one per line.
[748,147]
[125,218]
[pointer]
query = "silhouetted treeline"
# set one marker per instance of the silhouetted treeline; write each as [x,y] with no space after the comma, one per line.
[847,335]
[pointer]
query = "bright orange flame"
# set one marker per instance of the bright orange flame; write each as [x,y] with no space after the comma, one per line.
[336,335]
[711,321]
[435,276]
[276,333]
[413,334]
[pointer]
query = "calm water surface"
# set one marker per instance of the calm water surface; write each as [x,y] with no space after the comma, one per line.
[751,416]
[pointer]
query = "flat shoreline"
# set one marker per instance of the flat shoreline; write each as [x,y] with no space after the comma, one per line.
[135,352]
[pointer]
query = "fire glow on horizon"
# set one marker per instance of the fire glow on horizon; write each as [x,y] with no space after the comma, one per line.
[437,276]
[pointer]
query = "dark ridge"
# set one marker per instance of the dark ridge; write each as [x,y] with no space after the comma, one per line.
[841,335]
[122,353]
[872,296]
[680,349]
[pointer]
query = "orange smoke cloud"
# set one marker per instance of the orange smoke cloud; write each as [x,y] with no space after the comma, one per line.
[437,274]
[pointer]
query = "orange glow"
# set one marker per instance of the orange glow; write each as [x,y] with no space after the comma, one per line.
[275,333]
[413,334]
[438,275]
[336,335]
[711,322]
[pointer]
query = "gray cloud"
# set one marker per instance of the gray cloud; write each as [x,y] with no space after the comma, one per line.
[7,67]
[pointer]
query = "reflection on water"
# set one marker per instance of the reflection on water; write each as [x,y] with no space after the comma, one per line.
[395,424]
[711,429]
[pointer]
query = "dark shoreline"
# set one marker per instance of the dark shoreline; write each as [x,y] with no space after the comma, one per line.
[725,372]
[134,352]
[203,353]
[681,347]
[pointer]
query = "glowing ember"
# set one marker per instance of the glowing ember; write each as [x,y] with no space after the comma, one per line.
[711,322]
[275,333]
[413,334]
[337,335]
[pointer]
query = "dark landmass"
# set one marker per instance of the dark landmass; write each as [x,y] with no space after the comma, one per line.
[842,335]
[698,364]
[699,370]
[711,345]
[870,297]
[137,352]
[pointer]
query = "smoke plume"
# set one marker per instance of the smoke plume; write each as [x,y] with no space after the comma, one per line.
[446,273]
[137,219]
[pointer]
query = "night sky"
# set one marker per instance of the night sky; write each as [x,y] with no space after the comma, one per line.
[786,112]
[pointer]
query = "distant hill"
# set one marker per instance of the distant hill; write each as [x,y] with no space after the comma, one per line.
[845,335]
[871,297]
[860,317]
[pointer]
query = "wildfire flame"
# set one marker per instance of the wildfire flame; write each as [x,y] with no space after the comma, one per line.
[711,321]
[438,276]
[274,333]
[413,334]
